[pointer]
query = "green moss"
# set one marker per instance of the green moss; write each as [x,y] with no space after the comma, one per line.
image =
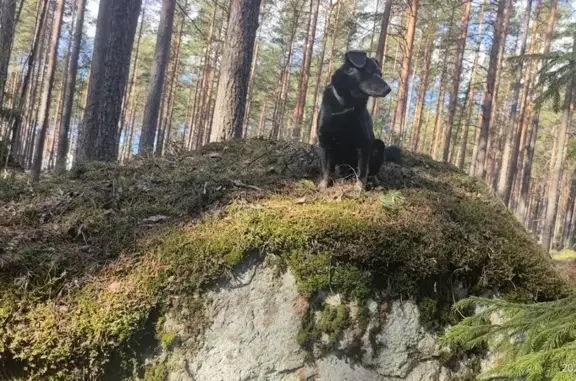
[168,339]
[428,310]
[334,321]
[157,372]
[100,267]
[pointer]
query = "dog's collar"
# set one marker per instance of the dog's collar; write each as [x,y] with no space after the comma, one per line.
[341,101]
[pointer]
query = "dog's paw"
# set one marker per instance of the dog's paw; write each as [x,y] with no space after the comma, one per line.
[323,185]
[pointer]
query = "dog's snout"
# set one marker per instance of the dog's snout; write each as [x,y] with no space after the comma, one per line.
[375,87]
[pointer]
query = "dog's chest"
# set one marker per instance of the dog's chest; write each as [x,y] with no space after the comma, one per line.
[348,129]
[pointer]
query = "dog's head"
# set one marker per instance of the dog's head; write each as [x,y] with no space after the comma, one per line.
[361,76]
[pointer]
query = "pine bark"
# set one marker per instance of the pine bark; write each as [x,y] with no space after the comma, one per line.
[384,30]
[382,48]
[535,122]
[567,226]
[198,126]
[305,72]
[495,130]
[555,174]
[7,27]
[115,32]
[16,134]
[235,70]
[333,45]
[457,74]
[313,133]
[44,121]
[251,86]
[480,164]
[406,67]
[166,142]
[417,124]
[282,94]
[526,103]
[161,58]
[470,94]
[510,154]
[130,97]
[69,88]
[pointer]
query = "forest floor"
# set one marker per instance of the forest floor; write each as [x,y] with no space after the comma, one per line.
[87,257]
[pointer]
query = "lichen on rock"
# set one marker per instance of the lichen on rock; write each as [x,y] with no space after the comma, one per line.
[94,258]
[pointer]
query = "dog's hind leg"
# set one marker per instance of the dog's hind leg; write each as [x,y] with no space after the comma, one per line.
[363,167]
[328,169]
[376,157]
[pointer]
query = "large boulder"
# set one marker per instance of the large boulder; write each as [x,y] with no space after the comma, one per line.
[226,264]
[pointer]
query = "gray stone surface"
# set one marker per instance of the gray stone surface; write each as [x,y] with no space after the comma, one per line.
[255,321]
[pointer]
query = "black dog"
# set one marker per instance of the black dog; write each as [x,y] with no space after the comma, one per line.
[345,128]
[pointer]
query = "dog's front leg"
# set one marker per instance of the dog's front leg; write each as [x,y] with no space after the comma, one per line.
[363,163]
[328,168]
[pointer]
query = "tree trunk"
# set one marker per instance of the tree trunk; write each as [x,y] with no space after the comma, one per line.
[235,70]
[154,96]
[373,34]
[533,135]
[312,127]
[471,92]
[382,40]
[510,154]
[555,174]
[333,46]
[495,131]
[115,32]
[251,86]
[457,73]
[16,133]
[129,95]
[480,164]
[198,126]
[406,67]
[567,227]
[281,98]
[69,89]
[305,73]
[211,105]
[262,121]
[47,93]
[417,125]
[384,30]
[7,28]
[191,132]
[166,141]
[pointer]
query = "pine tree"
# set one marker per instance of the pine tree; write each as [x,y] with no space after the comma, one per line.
[153,98]
[401,105]
[115,32]
[480,161]
[47,93]
[70,87]
[235,70]
[457,74]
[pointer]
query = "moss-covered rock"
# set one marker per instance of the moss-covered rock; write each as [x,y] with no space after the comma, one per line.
[85,258]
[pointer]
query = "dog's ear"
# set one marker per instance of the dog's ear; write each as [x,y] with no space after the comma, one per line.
[356,58]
